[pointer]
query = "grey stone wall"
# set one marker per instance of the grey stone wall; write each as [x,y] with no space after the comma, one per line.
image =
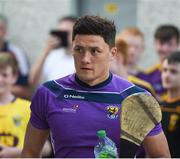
[151,14]
[31,20]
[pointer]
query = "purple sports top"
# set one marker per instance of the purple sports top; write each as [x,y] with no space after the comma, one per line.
[154,78]
[74,111]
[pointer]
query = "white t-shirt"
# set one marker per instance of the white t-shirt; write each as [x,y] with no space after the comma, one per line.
[58,64]
[22,61]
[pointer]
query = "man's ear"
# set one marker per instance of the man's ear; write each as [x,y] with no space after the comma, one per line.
[113,52]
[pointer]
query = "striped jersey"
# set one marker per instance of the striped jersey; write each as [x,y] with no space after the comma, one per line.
[75,111]
[171,124]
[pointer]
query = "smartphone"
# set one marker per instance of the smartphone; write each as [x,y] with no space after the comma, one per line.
[62,35]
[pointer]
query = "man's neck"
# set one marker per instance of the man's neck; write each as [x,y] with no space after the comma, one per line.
[174,93]
[98,81]
[132,69]
[123,72]
[119,69]
[95,83]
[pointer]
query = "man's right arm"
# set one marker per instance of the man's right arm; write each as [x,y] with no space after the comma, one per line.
[156,146]
[36,70]
[34,142]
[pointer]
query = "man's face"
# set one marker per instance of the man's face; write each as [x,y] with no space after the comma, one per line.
[7,79]
[2,31]
[67,26]
[171,75]
[135,47]
[92,57]
[164,49]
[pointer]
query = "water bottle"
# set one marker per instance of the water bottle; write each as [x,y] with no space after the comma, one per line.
[105,148]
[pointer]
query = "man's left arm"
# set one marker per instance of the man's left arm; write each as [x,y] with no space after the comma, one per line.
[157,146]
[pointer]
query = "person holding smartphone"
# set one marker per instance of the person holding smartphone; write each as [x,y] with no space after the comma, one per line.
[21,87]
[55,60]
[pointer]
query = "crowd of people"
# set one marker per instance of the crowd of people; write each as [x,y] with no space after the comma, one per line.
[55,107]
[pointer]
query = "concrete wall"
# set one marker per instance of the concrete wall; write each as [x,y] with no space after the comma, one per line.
[122,12]
[150,14]
[31,20]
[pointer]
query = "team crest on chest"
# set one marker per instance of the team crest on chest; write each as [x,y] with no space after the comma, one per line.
[17,120]
[112,111]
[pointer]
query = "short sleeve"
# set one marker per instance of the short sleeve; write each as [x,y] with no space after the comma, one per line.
[156,130]
[39,109]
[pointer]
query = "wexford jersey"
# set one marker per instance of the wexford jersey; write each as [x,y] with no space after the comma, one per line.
[141,83]
[153,76]
[13,121]
[75,111]
[171,124]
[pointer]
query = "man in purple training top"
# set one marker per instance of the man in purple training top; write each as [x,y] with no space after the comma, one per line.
[75,107]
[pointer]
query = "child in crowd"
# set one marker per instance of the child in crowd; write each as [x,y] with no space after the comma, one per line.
[120,66]
[166,40]
[14,111]
[135,41]
[171,102]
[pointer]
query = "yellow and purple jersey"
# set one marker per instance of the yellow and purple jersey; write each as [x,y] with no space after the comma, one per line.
[13,121]
[153,76]
[171,124]
[141,83]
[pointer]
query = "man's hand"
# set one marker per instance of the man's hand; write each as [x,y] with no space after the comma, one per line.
[51,44]
[37,68]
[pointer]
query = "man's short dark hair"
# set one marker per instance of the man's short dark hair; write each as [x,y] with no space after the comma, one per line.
[95,25]
[174,58]
[165,33]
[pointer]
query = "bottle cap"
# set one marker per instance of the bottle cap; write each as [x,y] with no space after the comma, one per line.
[101,133]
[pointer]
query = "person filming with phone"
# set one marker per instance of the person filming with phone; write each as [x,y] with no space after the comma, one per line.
[55,55]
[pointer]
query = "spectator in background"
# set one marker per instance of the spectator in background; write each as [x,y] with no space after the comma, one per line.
[55,62]
[21,87]
[119,66]
[171,102]
[166,42]
[14,111]
[135,41]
